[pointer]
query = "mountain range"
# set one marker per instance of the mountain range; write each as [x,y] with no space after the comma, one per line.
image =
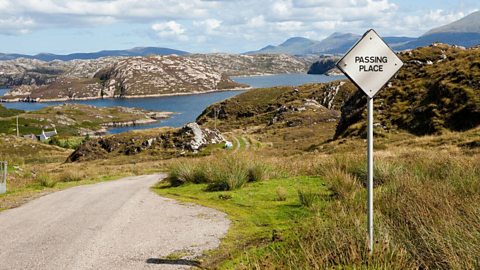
[138,51]
[464,32]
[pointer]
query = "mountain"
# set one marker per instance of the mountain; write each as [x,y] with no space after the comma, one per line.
[138,51]
[468,24]
[337,43]
[464,32]
[290,46]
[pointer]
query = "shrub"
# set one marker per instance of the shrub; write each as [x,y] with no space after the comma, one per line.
[46,180]
[281,194]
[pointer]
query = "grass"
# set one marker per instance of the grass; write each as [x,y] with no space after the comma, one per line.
[221,172]
[258,218]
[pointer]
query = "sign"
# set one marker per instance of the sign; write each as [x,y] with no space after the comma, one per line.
[370,63]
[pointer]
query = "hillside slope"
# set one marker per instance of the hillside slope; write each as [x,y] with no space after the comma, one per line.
[437,89]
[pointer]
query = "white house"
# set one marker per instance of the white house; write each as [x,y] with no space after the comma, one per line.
[47,135]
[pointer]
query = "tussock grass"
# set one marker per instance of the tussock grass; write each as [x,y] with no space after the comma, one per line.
[72,176]
[427,215]
[46,180]
[222,172]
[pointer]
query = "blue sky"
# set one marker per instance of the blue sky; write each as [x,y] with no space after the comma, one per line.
[58,26]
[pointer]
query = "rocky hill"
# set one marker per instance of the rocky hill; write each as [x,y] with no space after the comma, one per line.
[237,65]
[164,142]
[437,89]
[279,107]
[137,76]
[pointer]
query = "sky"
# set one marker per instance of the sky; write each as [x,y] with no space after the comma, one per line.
[67,26]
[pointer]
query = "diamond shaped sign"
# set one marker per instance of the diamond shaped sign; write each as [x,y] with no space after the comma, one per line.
[370,63]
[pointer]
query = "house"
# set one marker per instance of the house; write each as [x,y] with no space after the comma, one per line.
[47,135]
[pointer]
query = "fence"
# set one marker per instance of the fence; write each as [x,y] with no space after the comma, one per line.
[3,176]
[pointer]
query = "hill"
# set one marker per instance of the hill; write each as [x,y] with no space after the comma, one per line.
[137,76]
[436,90]
[138,51]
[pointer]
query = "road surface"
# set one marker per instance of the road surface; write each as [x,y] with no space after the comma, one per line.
[112,225]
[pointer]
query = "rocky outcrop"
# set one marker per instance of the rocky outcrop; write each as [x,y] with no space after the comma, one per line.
[201,137]
[324,65]
[170,143]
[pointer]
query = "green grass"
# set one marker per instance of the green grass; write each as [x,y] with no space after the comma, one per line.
[256,213]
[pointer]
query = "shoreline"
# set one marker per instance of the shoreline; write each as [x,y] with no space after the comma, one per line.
[13,100]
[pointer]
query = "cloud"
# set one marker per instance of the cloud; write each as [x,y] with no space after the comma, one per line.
[170,29]
[250,23]
[16,25]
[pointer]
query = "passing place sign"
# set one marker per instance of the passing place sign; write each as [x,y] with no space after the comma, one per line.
[370,64]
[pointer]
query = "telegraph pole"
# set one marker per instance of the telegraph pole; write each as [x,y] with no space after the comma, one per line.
[18,131]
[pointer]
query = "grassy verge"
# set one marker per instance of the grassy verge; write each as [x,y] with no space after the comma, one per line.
[262,214]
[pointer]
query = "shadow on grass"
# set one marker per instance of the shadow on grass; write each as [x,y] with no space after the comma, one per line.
[173,262]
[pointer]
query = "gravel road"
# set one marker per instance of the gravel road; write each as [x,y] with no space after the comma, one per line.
[112,225]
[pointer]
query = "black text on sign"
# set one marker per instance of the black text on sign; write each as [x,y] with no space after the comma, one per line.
[371,63]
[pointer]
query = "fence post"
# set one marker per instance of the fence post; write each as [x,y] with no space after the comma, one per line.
[3,176]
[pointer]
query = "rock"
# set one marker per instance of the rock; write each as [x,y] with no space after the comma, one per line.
[201,137]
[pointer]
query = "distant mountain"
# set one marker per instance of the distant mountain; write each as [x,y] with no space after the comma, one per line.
[464,32]
[337,43]
[138,51]
[468,24]
[290,46]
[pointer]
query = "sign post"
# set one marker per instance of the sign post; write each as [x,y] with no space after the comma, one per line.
[370,64]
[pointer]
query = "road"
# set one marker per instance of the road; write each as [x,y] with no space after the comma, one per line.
[111,225]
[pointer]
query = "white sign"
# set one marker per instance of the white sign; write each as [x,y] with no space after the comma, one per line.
[370,63]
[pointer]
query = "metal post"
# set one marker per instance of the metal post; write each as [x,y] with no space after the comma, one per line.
[370,173]
[3,177]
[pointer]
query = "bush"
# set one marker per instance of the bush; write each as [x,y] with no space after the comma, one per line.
[46,180]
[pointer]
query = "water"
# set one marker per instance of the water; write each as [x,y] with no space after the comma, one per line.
[187,107]
[3,91]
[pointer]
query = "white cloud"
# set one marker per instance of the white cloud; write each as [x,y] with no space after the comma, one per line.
[204,21]
[209,26]
[170,29]
[16,25]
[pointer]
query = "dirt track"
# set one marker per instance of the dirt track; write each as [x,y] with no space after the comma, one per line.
[113,225]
